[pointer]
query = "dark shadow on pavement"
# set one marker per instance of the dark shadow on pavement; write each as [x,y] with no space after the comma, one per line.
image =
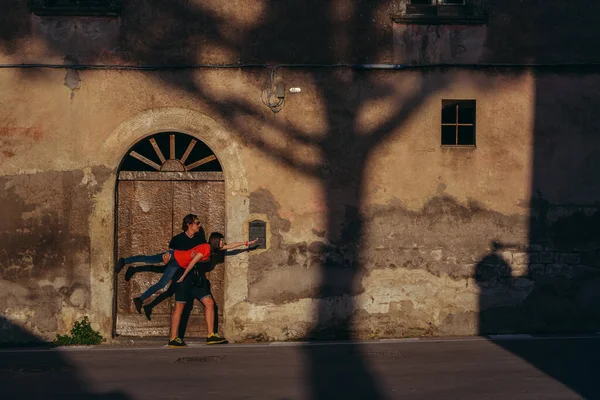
[339,372]
[42,375]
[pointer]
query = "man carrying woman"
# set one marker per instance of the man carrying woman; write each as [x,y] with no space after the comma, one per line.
[192,235]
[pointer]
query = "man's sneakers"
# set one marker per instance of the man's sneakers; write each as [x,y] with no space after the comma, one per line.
[212,339]
[216,339]
[138,304]
[120,265]
[177,342]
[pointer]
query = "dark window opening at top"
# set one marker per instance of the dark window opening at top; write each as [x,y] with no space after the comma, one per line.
[171,151]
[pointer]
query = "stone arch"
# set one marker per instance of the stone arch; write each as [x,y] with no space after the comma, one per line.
[193,123]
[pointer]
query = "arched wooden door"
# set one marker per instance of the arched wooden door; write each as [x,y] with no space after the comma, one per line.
[163,178]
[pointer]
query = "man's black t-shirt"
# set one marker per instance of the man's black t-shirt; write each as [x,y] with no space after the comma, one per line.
[184,242]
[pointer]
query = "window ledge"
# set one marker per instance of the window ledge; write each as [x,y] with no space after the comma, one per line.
[459,146]
[435,20]
[64,8]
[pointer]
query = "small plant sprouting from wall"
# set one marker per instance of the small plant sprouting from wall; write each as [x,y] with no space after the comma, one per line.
[82,333]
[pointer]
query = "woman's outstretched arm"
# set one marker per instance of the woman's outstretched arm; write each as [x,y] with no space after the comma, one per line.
[235,245]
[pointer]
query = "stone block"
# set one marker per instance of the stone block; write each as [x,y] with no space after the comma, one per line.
[437,255]
[519,269]
[546,257]
[536,248]
[567,258]
[556,269]
[537,269]
[569,271]
[573,258]
[588,258]
[534,258]
[520,258]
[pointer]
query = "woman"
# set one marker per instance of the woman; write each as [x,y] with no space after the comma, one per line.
[197,287]
[170,270]
[192,235]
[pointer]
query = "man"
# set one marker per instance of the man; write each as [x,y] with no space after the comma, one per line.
[191,236]
[197,286]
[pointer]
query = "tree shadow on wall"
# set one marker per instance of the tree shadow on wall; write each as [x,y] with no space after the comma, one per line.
[539,300]
[343,143]
[554,287]
[41,374]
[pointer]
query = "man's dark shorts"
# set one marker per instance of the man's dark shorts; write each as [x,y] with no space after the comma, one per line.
[191,289]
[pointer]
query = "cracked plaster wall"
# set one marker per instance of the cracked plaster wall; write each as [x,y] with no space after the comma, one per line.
[426,266]
[452,242]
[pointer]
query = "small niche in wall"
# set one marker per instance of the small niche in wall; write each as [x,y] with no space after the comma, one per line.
[258,229]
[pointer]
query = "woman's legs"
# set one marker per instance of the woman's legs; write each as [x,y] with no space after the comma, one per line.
[170,271]
[153,259]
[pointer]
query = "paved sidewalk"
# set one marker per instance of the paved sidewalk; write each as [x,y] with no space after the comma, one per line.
[455,368]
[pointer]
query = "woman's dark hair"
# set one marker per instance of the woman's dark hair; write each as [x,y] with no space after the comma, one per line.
[188,220]
[214,240]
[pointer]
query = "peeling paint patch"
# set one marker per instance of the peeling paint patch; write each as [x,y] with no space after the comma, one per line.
[421,276]
[16,139]
[45,248]
[72,79]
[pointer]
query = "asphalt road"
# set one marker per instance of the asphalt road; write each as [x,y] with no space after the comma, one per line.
[558,368]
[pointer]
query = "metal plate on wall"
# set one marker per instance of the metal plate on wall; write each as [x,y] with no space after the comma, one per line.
[258,230]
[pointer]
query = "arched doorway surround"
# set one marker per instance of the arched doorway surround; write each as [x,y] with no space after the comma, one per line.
[228,152]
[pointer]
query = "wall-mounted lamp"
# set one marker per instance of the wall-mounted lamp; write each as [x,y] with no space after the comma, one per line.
[280,90]
[274,97]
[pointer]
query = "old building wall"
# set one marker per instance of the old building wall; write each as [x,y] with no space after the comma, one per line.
[200,31]
[428,215]
[73,141]
[453,241]
[375,229]
[77,140]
